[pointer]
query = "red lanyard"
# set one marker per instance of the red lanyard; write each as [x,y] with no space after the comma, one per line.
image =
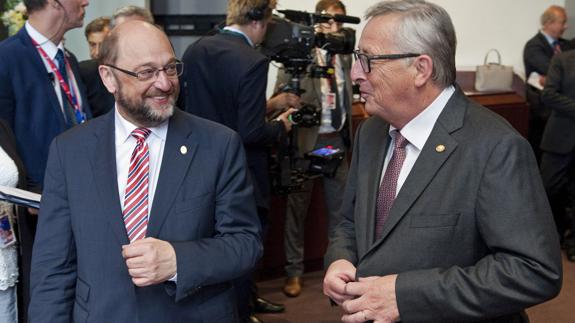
[65,88]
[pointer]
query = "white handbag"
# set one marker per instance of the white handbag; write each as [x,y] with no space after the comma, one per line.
[493,76]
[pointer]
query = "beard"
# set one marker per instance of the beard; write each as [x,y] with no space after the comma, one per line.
[144,114]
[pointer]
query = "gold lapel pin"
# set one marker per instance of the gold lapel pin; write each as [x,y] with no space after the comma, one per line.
[440,148]
[184,150]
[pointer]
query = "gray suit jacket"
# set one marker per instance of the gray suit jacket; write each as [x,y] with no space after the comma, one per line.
[307,136]
[470,233]
[559,96]
[203,205]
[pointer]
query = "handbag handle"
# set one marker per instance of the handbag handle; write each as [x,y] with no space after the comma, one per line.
[487,55]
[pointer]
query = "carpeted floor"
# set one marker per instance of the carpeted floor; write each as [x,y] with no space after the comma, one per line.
[313,307]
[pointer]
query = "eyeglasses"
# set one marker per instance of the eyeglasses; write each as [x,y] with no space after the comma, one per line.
[365,60]
[173,69]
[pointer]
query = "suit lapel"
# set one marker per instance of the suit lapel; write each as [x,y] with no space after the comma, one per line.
[175,164]
[42,73]
[428,163]
[378,138]
[103,163]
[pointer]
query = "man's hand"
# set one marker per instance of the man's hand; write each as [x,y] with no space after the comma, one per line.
[285,120]
[282,101]
[374,300]
[542,79]
[339,273]
[150,261]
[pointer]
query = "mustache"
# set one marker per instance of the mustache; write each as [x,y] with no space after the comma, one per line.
[158,92]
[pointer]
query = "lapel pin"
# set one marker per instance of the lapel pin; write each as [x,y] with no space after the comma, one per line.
[184,150]
[440,148]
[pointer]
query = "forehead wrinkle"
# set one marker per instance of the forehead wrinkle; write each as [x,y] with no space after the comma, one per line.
[135,54]
[379,38]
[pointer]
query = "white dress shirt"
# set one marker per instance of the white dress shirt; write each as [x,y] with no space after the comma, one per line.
[416,132]
[325,126]
[51,50]
[125,145]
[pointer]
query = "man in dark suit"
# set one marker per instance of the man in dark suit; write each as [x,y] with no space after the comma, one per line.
[33,102]
[101,101]
[537,54]
[558,143]
[444,216]
[168,227]
[225,81]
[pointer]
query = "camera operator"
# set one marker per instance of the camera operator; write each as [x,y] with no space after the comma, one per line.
[334,96]
[225,81]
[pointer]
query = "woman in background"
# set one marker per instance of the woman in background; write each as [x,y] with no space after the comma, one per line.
[11,174]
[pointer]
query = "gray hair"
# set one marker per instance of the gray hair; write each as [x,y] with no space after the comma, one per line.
[129,11]
[423,28]
[550,14]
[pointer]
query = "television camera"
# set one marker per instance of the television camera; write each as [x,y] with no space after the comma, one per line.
[291,40]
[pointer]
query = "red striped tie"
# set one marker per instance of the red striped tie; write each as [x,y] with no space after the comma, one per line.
[136,195]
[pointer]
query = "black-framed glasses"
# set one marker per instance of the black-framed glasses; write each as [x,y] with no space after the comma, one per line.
[173,69]
[365,60]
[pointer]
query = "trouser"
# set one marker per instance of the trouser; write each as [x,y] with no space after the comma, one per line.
[538,116]
[556,173]
[245,286]
[298,205]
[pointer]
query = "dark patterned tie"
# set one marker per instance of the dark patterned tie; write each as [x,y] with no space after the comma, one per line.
[68,108]
[136,194]
[556,48]
[388,187]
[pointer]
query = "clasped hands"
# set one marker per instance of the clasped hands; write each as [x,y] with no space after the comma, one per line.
[150,261]
[369,299]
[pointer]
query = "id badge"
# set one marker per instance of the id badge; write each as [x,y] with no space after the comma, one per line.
[7,236]
[328,101]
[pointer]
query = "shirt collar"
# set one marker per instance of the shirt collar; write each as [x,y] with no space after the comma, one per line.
[419,128]
[550,39]
[124,128]
[235,30]
[47,45]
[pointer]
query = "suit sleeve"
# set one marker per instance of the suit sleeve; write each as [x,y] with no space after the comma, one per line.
[53,275]
[7,102]
[236,245]
[553,95]
[535,56]
[342,244]
[252,125]
[523,265]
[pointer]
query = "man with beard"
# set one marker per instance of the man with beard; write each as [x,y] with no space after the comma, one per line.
[172,220]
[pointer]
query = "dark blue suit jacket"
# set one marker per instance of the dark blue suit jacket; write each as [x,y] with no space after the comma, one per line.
[29,104]
[225,81]
[203,205]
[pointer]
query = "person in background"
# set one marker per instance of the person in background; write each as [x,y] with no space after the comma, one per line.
[445,217]
[558,143]
[334,97]
[41,96]
[537,54]
[11,175]
[129,13]
[172,220]
[95,33]
[225,81]
[102,101]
